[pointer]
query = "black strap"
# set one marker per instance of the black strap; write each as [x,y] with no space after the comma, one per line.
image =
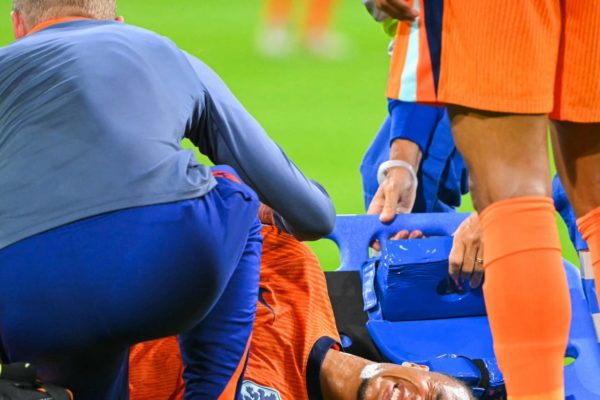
[3,356]
[345,293]
[484,382]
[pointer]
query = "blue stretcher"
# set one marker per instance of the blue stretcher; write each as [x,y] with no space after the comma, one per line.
[415,314]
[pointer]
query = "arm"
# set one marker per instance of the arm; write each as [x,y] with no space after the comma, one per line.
[376,13]
[413,126]
[398,9]
[397,193]
[225,132]
[390,26]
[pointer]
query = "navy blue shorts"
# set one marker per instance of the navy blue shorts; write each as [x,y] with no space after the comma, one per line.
[73,299]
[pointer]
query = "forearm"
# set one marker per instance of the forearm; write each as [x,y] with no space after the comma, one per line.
[398,181]
[228,134]
[340,375]
[412,127]
[301,232]
[408,151]
[302,207]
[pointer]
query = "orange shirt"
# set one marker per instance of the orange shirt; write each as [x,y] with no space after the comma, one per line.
[293,313]
[414,65]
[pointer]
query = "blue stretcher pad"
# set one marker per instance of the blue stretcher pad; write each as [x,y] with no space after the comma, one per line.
[416,314]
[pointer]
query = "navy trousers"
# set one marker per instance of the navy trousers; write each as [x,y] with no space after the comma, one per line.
[74,299]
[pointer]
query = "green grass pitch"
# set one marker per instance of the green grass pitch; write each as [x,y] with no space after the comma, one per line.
[324,114]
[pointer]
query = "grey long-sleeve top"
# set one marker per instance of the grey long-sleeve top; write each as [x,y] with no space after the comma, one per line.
[92,115]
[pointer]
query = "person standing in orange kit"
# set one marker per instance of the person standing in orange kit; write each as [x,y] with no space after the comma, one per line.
[508,68]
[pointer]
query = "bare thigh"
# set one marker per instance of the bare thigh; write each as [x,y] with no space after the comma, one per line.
[577,156]
[507,154]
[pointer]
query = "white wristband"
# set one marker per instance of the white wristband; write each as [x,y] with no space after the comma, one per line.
[385,167]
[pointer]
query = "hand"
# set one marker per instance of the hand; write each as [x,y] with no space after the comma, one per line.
[466,256]
[398,9]
[265,215]
[402,235]
[396,195]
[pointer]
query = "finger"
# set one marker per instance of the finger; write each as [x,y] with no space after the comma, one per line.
[402,235]
[476,278]
[392,197]
[265,215]
[416,235]
[405,7]
[387,215]
[376,246]
[398,10]
[376,206]
[455,259]
[479,271]
[467,270]
[469,261]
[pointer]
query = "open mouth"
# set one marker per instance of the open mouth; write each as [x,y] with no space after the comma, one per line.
[397,393]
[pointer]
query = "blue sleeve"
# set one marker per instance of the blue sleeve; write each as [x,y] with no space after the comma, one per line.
[414,122]
[225,132]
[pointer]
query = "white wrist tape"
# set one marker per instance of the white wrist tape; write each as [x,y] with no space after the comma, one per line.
[385,167]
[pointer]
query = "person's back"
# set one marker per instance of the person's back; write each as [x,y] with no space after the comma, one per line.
[92,114]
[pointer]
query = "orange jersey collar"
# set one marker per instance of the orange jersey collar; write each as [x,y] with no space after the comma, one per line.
[55,21]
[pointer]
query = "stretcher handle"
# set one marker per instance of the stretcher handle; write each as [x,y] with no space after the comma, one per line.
[354,233]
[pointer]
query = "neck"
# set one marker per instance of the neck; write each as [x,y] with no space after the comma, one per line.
[54,21]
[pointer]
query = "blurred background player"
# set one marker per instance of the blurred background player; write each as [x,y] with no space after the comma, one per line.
[276,37]
[501,96]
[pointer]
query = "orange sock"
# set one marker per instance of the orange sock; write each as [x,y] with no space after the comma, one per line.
[319,16]
[590,229]
[527,296]
[278,12]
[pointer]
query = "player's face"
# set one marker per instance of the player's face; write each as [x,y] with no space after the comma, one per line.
[393,382]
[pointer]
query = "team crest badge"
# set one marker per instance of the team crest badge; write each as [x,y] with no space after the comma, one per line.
[253,391]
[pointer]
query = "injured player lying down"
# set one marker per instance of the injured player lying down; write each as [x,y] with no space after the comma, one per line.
[295,345]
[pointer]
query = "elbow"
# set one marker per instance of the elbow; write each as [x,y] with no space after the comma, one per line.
[319,225]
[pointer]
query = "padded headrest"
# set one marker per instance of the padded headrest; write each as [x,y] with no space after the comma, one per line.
[412,282]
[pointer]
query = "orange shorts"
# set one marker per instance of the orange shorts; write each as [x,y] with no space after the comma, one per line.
[294,319]
[523,57]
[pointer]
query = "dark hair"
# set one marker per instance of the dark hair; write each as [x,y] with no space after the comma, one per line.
[442,390]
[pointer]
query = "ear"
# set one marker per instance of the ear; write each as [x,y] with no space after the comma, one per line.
[120,19]
[19,29]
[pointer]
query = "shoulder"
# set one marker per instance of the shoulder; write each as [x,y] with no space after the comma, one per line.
[92,32]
